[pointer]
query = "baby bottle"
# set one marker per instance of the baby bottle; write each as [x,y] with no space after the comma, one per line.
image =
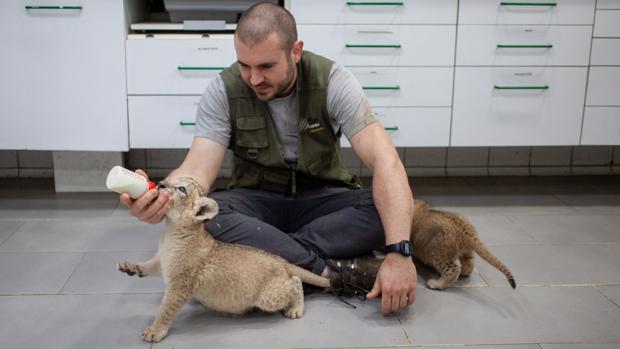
[121,180]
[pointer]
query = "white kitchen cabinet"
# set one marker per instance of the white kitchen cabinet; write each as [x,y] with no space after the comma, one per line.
[547,12]
[512,45]
[604,86]
[605,51]
[607,24]
[374,12]
[176,65]
[406,86]
[382,45]
[63,75]
[162,121]
[502,106]
[601,126]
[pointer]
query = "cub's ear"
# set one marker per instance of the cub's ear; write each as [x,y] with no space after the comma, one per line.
[207,209]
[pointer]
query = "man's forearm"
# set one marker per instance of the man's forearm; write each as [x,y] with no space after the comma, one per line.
[393,199]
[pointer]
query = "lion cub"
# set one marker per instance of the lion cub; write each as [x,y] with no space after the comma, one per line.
[439,239]
[225,277]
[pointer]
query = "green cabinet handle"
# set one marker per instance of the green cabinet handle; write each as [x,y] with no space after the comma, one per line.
[199,68]
[373,46]
[524,46]
[544,87]
[187,123]
[45,7]
[393,128]
[393,88]
[509,3]
[374,3]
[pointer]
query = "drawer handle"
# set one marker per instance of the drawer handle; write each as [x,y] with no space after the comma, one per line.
[374,3]
[187,123]
[35,7]
[544,87]
[391,129]
[373,46]
[199,68]
[393,88]
[509,3]
[524,46]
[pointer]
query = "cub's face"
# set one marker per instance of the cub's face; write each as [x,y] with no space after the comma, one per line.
[189,204]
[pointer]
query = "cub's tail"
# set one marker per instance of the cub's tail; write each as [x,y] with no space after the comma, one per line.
[306,276]
[485,254]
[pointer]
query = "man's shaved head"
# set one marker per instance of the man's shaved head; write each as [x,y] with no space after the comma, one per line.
[263,19]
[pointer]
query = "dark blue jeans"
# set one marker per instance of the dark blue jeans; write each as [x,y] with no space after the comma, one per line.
[306,229]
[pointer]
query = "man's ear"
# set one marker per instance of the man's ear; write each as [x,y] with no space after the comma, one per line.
[208,209]
[297,51]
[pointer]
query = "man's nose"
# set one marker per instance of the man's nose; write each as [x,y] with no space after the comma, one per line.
[256,78]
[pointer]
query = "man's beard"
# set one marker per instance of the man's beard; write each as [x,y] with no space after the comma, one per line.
[282,87]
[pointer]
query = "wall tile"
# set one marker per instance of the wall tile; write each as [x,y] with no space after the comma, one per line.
[165,158]
[136,159]
[468,157]
[550,171]
[592,155]
[426,171]
[509,156]
[35,159]
[551,156]
[8,159]
[8,172]
[426,157]
[467,171]
[509,171]
[591,170]
[36,173]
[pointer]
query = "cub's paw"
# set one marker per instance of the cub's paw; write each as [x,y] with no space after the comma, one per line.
[153,335]
[294,312]
[130,269]
[435,284]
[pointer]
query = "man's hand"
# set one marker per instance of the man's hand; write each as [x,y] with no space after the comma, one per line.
[150,207]
[396,282]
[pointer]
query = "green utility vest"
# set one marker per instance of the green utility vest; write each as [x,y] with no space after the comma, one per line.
[258,161]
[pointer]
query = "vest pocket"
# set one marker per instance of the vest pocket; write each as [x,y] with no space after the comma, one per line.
[251,132]
[317,165]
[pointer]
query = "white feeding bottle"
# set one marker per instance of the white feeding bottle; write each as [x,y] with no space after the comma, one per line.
[121,180]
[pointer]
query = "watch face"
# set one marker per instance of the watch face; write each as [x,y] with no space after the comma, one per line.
[405,248]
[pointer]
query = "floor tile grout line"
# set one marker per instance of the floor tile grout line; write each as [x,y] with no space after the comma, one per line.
[72,273]
[402,327]
[21,223]
[597,288]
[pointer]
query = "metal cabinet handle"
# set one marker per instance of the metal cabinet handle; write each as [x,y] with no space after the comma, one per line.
[36,7]
[524,46]
[392,128]
[187,123]
[199,68]
[544,87]
[510,3]
[393,88]
[373,46]
[374,3]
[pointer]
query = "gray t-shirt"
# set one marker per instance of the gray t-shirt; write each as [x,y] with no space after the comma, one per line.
[347,106]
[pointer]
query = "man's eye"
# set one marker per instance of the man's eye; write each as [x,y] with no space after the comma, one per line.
[182,190]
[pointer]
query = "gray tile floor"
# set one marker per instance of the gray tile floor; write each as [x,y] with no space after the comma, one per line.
[560,236]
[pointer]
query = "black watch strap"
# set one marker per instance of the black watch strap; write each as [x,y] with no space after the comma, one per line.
[404,247]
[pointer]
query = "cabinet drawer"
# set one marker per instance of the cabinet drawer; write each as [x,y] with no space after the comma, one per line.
[176,66]
[518,106]
[380,45]
[604,86]
[414,127]
[374,12]
[526,12]
[608,4]
[406,87]
[510,45]
[607,24]
[605,52]
[601,126]
[155,121]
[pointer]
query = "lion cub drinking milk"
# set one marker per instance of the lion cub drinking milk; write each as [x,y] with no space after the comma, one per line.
[440,239]
[225,277]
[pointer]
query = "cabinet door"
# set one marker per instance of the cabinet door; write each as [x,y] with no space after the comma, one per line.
[374,12]
[518,106]
[382,45]
[63,75]
[526,12]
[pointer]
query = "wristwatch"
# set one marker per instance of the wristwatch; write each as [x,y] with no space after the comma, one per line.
[404,247]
